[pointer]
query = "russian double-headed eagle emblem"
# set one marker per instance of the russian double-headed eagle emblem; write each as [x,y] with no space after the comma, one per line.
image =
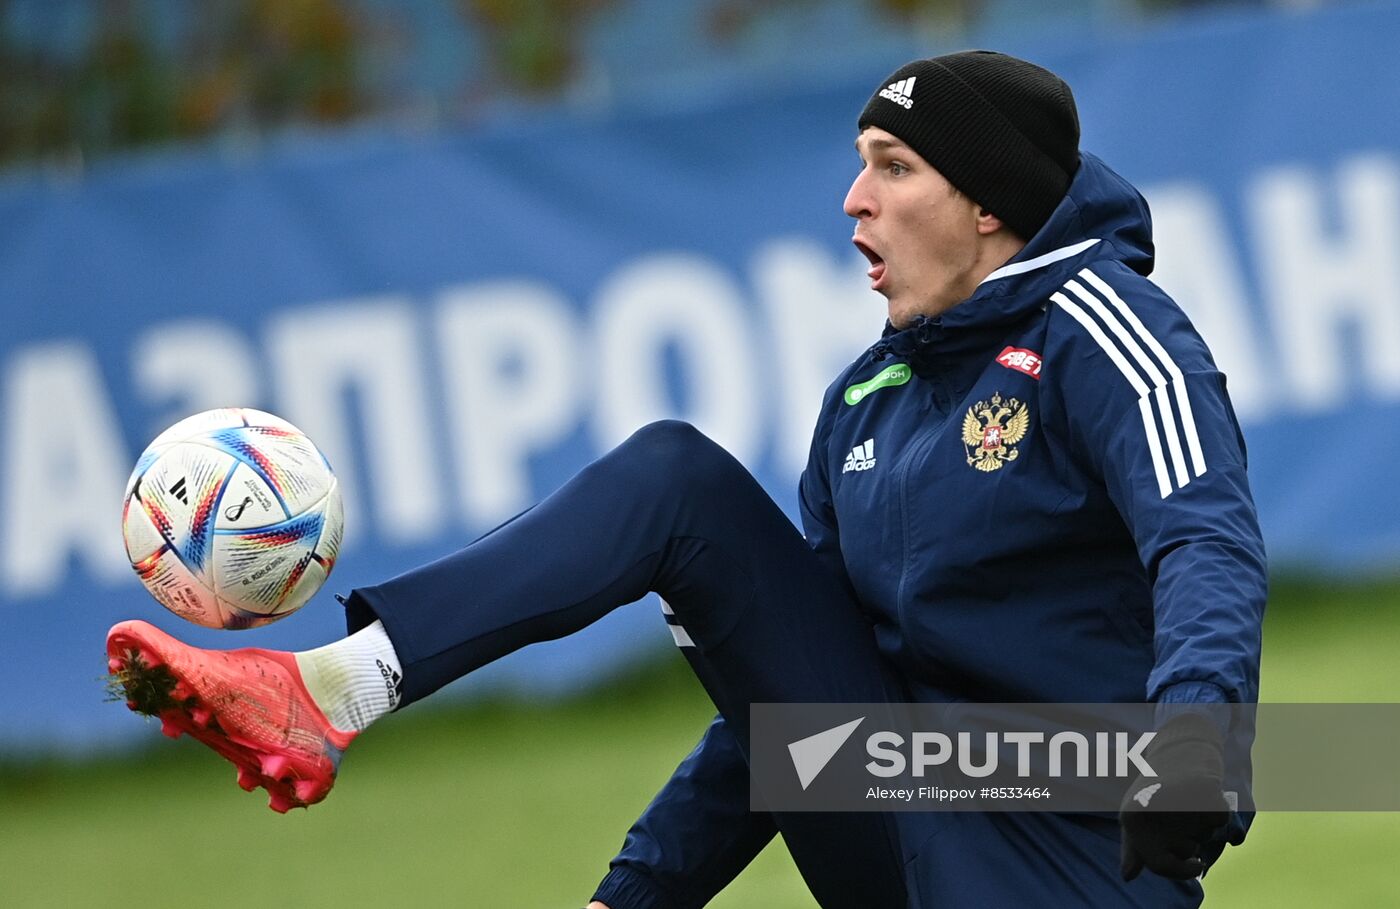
[991,431]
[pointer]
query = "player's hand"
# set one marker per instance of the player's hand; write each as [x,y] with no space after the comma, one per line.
[597,905]
[1180,844]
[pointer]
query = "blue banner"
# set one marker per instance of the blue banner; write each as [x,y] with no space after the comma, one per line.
[462,321]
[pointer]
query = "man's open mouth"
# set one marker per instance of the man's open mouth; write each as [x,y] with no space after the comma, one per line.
[876,272]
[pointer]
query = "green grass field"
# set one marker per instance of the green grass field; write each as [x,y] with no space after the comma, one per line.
[522,805]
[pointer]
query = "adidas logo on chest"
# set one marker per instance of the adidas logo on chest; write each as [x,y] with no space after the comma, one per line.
[862,457]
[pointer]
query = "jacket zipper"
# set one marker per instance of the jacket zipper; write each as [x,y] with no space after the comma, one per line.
[918,446]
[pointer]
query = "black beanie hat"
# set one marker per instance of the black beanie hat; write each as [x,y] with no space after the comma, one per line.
[1003,131]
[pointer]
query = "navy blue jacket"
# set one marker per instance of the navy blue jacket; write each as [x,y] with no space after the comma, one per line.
[1057,508]
[1038,496]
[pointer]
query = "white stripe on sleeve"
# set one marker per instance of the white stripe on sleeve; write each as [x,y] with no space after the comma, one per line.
[1149,420]
[1159,381]
[1188,420]
[1154,445]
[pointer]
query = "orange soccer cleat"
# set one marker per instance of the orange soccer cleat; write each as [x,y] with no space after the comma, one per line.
[249,705]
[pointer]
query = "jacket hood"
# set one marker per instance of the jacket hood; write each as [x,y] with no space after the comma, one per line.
[1100,205]
[1102,216]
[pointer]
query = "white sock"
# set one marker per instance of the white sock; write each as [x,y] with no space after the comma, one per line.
[356,680]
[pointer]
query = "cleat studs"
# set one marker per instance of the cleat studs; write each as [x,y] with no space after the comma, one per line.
[247,779]
[182,691]
[114,665]
[170,727]
[201,716]
[274,765]
[279,803]
[131,705]
[305,791]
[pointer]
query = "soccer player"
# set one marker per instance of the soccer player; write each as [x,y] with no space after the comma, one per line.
[1031,488]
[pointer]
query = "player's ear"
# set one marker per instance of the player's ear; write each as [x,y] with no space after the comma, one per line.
[988,223]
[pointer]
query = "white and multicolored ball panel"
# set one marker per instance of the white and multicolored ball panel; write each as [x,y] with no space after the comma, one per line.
[232,518]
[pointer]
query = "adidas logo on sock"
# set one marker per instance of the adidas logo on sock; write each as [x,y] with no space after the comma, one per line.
[393,683]
[901,92]
[862,457]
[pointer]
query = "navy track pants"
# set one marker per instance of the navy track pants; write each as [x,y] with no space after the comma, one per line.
[667,511]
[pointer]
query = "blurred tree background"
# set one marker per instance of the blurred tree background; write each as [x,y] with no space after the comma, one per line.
[80,79]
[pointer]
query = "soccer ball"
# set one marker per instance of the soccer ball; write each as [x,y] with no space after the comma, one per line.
[232,518]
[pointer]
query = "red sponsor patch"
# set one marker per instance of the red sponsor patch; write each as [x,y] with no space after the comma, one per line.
[1021,360]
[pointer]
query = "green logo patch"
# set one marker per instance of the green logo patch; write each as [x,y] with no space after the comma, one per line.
[897,374]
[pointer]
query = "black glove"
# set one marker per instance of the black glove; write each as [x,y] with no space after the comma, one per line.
[1172,823]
